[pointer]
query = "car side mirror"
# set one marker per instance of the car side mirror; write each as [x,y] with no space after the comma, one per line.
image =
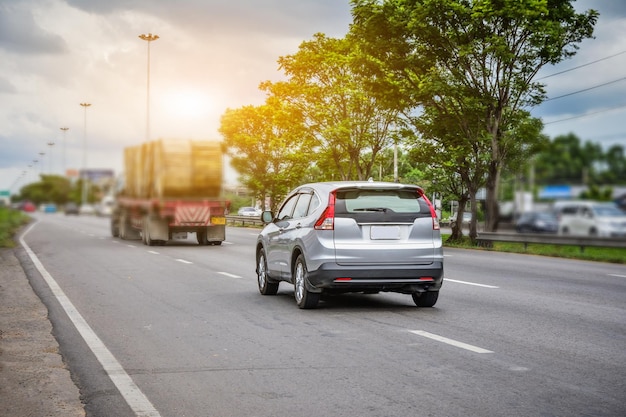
[267,217]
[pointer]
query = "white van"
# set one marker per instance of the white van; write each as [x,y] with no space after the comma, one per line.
[105,207]
[589,218]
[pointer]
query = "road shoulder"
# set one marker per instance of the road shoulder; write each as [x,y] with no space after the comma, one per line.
[34,381]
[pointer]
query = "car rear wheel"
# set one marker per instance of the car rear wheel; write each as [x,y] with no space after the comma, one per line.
[304,298]
[425,299]
[265,286]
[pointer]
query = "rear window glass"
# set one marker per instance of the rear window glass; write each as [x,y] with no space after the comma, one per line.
[381,205]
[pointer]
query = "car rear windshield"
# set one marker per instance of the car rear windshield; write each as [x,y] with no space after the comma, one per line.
[381,205]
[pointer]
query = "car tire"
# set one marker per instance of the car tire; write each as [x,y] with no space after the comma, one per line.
[266,287]
[304,298]
[425,299]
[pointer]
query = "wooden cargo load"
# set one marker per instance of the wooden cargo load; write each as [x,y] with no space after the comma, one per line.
[174,169]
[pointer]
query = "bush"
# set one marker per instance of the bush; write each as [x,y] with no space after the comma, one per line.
[10,221]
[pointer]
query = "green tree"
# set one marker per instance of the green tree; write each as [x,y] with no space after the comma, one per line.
[615,172]
[325,84]
[50,189]
[269,146]
[483,52]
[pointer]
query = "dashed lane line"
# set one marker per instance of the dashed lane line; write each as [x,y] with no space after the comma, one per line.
[471,283]
[451,342]
[229,275]
[183,261]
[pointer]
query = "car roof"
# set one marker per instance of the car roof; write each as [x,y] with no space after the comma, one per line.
[333,185]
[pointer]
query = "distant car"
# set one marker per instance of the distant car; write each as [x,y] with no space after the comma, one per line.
[28,207]
[71,208]
[86,209]
[48,208]
[105,207]
[249,211]
[345,236]
[537,222]
[589,218]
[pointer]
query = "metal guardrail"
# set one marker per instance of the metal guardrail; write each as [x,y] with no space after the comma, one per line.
[235,220]
[527,238]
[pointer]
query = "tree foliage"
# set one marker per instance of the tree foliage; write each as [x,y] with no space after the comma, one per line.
[475,59]
[54,189]
[567,160]
[269,146]
[351,125]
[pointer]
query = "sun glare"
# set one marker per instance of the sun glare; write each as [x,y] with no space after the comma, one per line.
[189,104]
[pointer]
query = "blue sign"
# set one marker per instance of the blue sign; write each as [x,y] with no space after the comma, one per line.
[555,191]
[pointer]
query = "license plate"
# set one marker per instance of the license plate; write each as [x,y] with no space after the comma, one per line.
[218,220]
[385,233]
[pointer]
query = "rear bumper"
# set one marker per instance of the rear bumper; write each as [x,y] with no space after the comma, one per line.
[397,278]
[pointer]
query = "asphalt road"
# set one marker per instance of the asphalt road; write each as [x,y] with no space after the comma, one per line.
[183,331]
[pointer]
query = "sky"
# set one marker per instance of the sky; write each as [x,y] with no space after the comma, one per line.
[212,55]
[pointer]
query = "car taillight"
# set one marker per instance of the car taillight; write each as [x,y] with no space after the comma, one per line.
[433,213]
[327,219]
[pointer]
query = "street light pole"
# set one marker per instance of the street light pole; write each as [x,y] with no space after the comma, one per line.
[41,154]
[50,144]
[64,129]
[83,198]
[149,38]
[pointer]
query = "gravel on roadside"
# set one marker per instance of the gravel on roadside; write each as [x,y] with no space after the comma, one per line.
[34,380]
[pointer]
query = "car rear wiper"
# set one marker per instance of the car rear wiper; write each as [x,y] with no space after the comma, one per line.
[383,209]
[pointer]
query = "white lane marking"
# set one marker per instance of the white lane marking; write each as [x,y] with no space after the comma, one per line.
[184,261]
[131,246]
[136,399]
[153,252]
[229,275]
[451,342]
[617,275]
[227,243]
[470,283]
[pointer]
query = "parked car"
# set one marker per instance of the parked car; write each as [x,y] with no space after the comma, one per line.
[340,237]
[588,218]
[71,208]
[537,222]
[249,211]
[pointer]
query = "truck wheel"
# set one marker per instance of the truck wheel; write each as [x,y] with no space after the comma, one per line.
[148,240]
[201,236]
[115,227]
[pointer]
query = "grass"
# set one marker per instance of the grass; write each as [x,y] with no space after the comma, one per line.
[10,222]
[613,255]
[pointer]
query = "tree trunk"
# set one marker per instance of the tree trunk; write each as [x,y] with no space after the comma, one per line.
[493,210]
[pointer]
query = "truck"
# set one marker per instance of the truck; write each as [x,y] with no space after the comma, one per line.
[171,188]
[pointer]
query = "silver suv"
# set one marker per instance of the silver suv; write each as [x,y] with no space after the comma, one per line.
[339,237]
